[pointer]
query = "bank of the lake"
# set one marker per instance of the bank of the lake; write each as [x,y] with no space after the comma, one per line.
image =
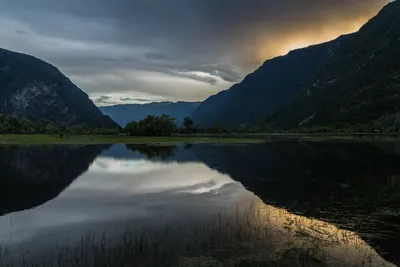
[21,139]
[230,138]
[290,136]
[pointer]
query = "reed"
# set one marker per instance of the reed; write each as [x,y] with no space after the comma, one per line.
[243,237]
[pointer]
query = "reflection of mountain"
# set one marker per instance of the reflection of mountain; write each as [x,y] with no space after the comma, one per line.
[309,173]
[354,185]
[30,176]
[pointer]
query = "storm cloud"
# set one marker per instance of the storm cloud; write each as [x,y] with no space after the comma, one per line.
[170,50]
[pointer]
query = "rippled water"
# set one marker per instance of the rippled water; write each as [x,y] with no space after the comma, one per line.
[345,196]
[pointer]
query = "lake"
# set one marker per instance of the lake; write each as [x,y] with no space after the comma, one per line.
[332,203]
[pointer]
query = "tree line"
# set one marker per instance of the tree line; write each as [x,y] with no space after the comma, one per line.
[165,125]
[150,126]
[12,125]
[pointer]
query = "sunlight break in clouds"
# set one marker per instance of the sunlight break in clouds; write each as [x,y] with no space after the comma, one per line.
[170,50]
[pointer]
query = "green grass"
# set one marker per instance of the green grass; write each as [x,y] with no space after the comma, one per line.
[309,136]
[16,139]
[27,139]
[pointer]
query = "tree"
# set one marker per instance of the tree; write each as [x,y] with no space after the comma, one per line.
[152,126]
[61,131]
[51,129]
[188,123]
[167,125]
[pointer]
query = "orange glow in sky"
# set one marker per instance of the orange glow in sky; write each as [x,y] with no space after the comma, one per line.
[275,44]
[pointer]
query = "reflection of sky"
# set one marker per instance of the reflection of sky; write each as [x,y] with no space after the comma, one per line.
[115,192]
[341,247]
[122,191]
[128,177]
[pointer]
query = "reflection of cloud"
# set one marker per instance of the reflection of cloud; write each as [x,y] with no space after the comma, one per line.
[114,192]
[149,178]
[126,191]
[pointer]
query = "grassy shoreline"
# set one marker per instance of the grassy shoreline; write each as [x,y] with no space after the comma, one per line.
[26,139]
[230,138]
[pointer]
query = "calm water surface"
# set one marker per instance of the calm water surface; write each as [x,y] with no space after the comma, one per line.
[57,194]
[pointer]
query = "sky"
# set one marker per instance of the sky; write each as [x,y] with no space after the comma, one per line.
[140,51]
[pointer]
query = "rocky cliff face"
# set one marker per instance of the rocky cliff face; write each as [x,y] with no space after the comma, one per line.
[33,89]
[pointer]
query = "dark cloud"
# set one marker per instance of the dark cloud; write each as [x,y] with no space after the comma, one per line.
[105,100]
[20,31]
[226,74]
[190,48]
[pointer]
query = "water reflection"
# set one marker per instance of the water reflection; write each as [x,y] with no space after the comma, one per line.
[340,247]
[114,192]
[154,152]
[353,185]
[345,186]
[32,175]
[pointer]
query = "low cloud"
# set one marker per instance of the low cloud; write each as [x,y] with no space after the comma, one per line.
[105,100]
[126,99]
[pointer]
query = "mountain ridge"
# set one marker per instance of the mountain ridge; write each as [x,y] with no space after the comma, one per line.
[359,84]
[287,91]
[34,89]
[125,113]
[266,89]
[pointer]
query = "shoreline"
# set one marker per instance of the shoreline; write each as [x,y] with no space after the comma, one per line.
[49,139]
[227,138]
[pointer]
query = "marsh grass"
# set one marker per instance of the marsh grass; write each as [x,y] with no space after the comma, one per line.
[239,238]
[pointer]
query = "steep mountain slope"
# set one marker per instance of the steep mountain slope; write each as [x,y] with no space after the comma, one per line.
[271,86]
[31,88]
[124,114]
[359,84]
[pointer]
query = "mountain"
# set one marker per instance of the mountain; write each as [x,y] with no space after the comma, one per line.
[124,114]
[352,79]
[359,84]
[33,89]
[266,90]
